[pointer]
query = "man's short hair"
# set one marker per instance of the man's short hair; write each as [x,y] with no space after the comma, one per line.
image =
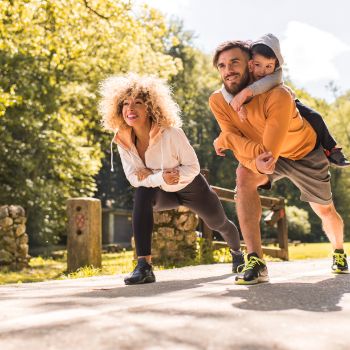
[265,51]
[228,45]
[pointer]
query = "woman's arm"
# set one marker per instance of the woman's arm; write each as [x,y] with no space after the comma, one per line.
[132,166]
[189,166]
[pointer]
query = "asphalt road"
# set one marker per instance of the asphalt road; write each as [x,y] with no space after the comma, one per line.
[303,307]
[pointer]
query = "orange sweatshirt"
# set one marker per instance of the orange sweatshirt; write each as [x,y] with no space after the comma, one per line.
[273,124]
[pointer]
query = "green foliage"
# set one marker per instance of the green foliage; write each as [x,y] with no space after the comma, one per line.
[298,223]
[53,54]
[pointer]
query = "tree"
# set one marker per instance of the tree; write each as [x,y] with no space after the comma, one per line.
[53,55]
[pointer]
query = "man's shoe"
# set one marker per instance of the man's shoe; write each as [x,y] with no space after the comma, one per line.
[340,264]
[255,271]
[142,273]
[337,158]
[237,261]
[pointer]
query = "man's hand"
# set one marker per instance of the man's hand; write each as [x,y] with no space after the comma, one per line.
[218,150]
[143,173]
[240,98]
[265,163]
[171,176]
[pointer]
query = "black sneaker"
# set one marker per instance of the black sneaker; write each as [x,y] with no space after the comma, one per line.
[255,271]
[337,158]
[340,264]
[237,261]
[142,273]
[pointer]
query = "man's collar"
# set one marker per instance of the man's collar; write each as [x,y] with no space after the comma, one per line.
[227,96]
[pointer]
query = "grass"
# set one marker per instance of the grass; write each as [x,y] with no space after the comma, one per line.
[48,269]
[312,250]
[40,270]
[116,263]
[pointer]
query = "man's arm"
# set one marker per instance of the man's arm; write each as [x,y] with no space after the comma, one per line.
[231,137]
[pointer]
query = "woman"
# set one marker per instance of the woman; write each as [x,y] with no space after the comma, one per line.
[159,161]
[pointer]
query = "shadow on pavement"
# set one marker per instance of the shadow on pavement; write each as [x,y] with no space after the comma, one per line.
[322,296]
[151,289]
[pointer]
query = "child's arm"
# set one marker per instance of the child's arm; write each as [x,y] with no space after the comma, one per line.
[258,87]
[267,82]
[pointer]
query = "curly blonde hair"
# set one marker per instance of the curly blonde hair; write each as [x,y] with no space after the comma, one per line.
[155,92]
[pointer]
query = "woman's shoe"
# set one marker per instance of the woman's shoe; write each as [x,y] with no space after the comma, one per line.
[142,273]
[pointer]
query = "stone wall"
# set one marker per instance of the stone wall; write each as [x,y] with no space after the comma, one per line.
[174,236]
[13,239]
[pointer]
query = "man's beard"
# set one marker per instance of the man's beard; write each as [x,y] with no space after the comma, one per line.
[236,88]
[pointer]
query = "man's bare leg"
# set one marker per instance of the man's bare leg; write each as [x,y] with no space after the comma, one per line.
[332,223]
[249,207]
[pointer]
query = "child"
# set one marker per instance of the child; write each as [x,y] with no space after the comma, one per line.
[266,64]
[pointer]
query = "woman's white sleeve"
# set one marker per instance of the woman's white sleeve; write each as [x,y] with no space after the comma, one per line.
[189,166]
[131,166]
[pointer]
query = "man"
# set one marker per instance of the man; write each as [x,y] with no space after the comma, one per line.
[272,143]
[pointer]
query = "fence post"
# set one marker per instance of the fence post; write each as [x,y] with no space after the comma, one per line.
[282,227]
[84,233]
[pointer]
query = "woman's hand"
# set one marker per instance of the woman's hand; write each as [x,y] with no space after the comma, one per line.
[171,176]
[143,173]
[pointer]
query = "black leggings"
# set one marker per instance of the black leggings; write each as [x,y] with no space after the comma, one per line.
[316,121]
[197,196]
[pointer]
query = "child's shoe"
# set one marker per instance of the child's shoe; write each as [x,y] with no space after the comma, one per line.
[337,158]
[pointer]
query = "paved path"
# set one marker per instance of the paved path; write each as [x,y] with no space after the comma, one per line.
[304,307]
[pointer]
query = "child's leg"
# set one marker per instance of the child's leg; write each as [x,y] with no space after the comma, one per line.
[335,154]
[146,199]
[323,135]
[200,198]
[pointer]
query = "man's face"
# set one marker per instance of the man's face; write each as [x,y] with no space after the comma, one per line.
[260,66]
[233,68]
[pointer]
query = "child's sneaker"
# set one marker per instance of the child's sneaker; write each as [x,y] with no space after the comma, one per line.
[255,271]
[237,261]
[340,264]
[337,158]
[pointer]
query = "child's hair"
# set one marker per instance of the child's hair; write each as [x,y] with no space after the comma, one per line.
[155,92]
[265,51]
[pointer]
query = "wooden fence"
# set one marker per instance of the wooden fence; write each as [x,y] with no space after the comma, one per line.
[275,216]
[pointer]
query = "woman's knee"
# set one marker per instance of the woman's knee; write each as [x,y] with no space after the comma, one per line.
[216,224]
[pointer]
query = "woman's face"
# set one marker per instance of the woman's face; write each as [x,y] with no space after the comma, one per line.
[135,112]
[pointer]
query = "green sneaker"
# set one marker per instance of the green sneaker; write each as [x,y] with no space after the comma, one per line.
[254,272]
[340,264]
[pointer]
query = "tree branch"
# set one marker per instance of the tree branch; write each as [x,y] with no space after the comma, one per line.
[95,12]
